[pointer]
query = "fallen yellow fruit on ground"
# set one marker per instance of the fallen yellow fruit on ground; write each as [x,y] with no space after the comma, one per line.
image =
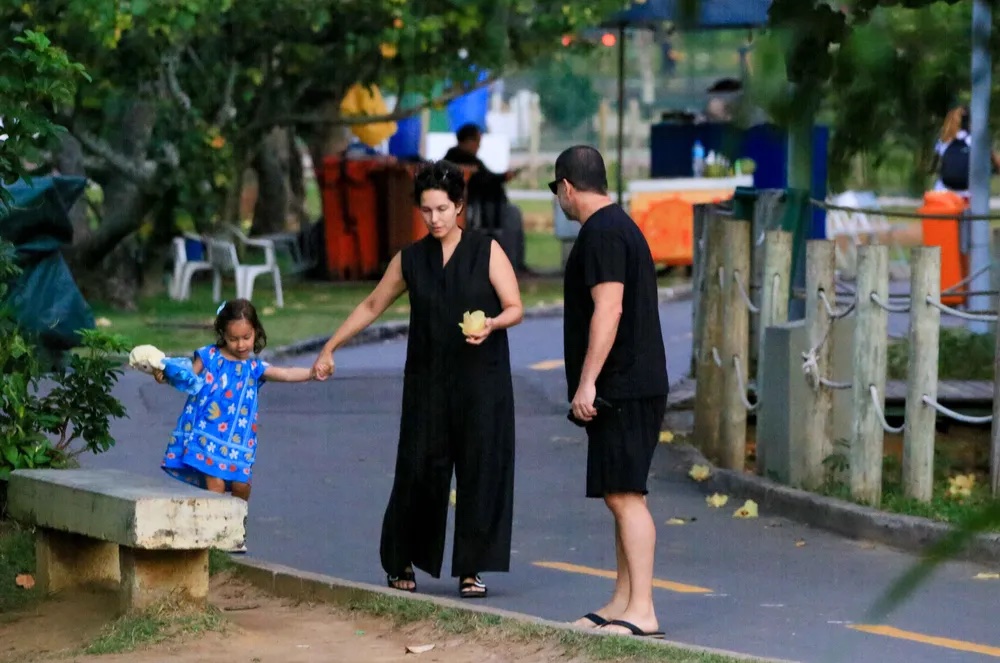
[472,323]
[748,510]
[666,437]
[717,501]
[699,472]
[988,576]
[961,485]
[676,521]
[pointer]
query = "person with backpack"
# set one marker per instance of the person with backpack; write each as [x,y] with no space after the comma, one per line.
[952,153]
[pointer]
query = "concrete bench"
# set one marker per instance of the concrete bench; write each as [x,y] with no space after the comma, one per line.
[146,538]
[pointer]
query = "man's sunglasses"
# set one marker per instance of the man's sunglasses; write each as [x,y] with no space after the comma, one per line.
[554,185]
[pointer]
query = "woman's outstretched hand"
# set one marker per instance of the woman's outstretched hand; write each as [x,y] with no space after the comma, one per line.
[324,366]
[477,338]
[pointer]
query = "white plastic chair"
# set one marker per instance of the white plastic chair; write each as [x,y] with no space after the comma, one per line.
[224,258]
[861,227]
[185,269]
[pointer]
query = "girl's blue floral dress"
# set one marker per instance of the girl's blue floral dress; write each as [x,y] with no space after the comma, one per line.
[216,434]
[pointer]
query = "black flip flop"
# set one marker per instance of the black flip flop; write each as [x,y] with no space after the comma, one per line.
[636,631]
[595,619]
[405,576]
[474,589]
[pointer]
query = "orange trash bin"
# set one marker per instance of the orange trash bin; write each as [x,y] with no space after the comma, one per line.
[350,213]
[945,234]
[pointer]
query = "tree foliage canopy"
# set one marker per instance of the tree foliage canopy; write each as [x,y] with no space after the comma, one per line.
[182,95]
[882,75]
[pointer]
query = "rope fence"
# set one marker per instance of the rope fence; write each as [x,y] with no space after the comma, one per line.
[761,295]
[913,216]
[877,405]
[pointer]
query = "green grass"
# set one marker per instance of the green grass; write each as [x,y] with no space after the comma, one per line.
[961,356]
[17,555]
[533,206]
[941,507]
[494,629]
[311,310]
[219,562]
[543,251]
[153,626]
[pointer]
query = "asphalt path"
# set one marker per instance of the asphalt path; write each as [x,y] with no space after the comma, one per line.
[767,586]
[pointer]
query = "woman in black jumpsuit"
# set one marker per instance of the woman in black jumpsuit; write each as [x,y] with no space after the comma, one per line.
[458,401]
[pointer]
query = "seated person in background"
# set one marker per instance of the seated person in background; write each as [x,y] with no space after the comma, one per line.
[486,191]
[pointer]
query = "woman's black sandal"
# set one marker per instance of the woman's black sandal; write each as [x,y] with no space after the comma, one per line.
[405,576]
[472,589]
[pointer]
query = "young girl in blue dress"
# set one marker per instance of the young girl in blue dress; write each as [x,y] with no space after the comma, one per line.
[215,442]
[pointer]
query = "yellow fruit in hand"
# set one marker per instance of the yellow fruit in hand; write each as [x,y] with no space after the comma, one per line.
[472,323]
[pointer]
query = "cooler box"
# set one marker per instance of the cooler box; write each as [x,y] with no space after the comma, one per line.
[664,211]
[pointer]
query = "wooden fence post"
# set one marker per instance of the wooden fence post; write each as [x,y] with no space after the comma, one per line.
[870,348]
[817,420]
[735,344]
[922,373]
[702,213]
[995,435]
[995,430]
[708,388]
[774,290]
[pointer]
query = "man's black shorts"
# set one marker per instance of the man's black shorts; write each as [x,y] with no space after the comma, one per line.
[621,442]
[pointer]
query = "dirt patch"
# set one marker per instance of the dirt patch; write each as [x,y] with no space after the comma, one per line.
[258,628]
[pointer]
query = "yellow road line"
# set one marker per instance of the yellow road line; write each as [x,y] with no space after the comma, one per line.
[547,365]
[947,643]
[601,573]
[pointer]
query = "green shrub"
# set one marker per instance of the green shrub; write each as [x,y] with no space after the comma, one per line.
[47,419]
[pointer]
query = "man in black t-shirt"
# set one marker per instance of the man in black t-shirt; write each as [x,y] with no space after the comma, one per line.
[616,374]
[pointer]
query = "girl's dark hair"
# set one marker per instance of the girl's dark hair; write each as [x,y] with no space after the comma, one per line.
[440,176]
[239,309]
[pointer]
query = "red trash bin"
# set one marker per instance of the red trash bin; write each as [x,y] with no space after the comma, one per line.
[350,213]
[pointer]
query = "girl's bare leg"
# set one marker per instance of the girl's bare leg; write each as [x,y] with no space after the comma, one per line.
[241,490]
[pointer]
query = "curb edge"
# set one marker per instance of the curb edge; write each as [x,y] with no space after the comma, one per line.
[908,533]
[287,582]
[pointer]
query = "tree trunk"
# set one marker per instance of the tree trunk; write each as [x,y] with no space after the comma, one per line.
[105,266]
[326,140]
[297,183]
[69,161]
[272,167]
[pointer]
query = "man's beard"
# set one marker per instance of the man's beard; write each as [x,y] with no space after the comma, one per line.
[570,214]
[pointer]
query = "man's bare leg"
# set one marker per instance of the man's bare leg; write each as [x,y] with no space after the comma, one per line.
[638,538]
[619,599]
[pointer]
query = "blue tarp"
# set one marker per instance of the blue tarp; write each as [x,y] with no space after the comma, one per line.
[45,298]
[712,14]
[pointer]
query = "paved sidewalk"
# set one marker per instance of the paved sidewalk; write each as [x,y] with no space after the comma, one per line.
[745,586]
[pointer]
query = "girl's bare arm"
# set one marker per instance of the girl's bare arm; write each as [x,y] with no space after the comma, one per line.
[287,374]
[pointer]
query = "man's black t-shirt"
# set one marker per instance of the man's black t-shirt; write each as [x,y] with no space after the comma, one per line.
[611,248]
